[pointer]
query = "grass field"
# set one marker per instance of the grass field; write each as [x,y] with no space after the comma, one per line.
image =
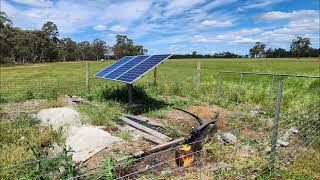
[175,77]
[176,88]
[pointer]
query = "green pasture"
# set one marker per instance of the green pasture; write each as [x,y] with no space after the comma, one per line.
[175,77]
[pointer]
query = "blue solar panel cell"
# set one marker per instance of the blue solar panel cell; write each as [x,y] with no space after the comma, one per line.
[112,67]
[142,68]
[125,67]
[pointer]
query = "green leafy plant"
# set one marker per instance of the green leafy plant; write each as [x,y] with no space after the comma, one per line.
[108,171]
[126,135]
[29,95]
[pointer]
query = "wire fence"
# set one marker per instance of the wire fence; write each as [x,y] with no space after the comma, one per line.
[297,131]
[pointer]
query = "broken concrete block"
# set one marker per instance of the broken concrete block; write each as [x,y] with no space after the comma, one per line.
[86,141]
[59,117]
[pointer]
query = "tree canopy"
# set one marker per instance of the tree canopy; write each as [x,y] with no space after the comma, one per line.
[20,46]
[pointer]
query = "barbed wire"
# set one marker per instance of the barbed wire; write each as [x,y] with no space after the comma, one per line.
[160,152]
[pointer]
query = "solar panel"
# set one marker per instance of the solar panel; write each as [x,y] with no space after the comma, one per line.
[142,68]
[125,67]
[113,66]
[130,68]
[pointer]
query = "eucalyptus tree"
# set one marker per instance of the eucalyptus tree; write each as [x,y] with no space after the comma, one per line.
[124,46]
[300,46]
[258,49]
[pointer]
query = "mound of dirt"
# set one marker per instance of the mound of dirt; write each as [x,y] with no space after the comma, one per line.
[205,112]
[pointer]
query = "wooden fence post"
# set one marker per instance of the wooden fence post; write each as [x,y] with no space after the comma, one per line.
[87,76]
[198,83]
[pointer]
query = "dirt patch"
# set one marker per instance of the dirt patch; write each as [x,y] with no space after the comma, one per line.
[178,118]
[117,151]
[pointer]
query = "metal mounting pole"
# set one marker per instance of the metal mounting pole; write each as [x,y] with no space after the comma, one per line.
[155,76]
[130,93]
[275,127]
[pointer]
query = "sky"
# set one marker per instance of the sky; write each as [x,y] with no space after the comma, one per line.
[175,26]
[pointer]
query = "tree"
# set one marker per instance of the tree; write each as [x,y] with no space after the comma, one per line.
[257,50]
[299,46]
[99,48]
[4,20]
[125,47]
[68,49]
[85,50]
[52,30]
[194,53]
[278,53]
[108,51]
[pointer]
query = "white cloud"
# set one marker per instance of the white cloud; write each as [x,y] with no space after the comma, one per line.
[118,28]
[277,15]
[176,7]
[39,3]
[213,23]
[99,27]
[260,4]
[217,3]
[127,11]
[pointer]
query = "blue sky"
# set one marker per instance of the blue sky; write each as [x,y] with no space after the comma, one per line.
[175,26]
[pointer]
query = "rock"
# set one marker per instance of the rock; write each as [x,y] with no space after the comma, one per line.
[268,149]
[269,122]
[62,170]
[33,116]
[73,99]
[287,134]
[229,138]
[219,138]
[254,113]
[59,117]
[55,150]
[165,173]
[294,130]
[282,143]
[86,141]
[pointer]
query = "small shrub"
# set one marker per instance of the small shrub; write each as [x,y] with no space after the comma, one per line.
[126,135]
[108,171]
[29,95]
[171,131]
[2,98]
[50,94]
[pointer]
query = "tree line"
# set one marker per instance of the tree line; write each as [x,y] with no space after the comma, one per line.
[20,46]
[299,47]
[215,55]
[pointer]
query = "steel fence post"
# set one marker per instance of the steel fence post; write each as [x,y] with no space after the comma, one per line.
[275,127]
[270,90]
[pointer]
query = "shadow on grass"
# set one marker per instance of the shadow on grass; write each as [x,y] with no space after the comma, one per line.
[142,102]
